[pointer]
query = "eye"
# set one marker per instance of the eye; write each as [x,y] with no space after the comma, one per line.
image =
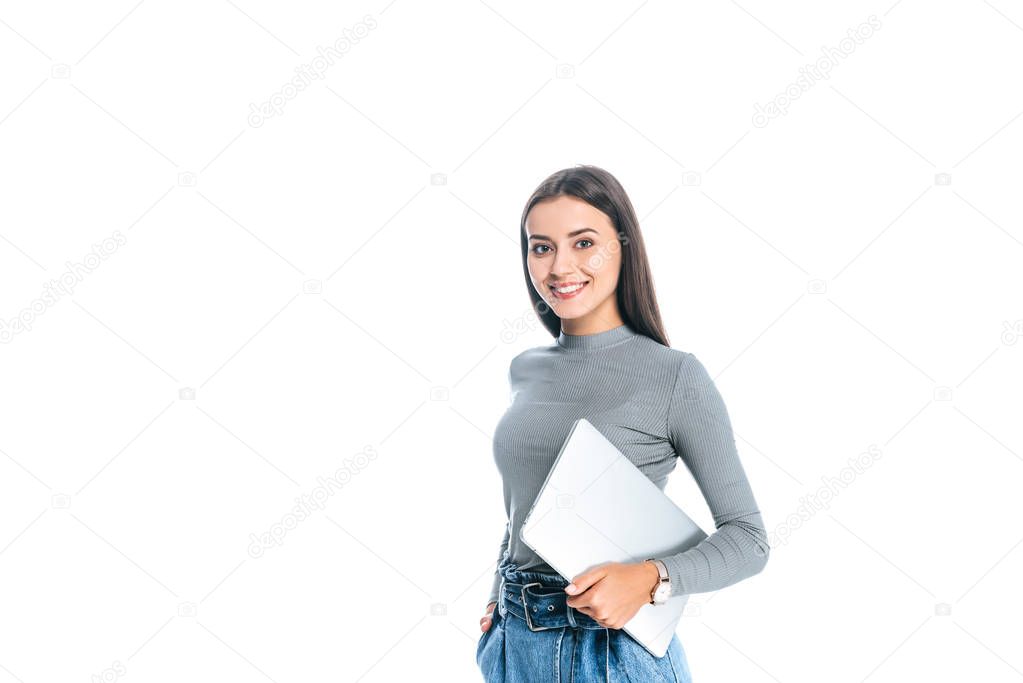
[589,243]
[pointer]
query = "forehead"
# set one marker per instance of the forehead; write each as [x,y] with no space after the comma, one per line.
[561,215]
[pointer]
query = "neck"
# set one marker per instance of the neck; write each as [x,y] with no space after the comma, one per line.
[593,323]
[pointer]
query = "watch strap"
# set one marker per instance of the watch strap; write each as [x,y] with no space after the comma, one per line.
[662,576]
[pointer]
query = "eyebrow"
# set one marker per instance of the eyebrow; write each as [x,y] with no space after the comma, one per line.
[571,234]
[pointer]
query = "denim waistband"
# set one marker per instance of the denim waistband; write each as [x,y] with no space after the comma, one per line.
[539,599]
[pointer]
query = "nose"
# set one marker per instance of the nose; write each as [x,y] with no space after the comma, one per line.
[563,264]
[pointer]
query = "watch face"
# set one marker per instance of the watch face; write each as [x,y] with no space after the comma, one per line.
[662,593]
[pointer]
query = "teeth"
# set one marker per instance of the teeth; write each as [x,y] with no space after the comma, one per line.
[566,290]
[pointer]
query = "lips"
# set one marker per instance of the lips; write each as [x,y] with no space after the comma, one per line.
[579,286]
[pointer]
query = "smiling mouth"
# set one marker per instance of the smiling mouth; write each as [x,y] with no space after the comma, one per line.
[567,291]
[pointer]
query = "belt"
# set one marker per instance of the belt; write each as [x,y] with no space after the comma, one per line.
[543,607]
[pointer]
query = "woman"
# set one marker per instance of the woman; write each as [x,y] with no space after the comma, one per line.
[587,275]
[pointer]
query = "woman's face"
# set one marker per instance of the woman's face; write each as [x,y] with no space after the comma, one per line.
[572,243]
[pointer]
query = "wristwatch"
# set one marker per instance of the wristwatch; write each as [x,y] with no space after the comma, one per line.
[662,591]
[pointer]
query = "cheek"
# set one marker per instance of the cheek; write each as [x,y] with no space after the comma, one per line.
[605,277]
[538,274]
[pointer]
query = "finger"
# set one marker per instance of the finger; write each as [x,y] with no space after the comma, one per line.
[583,581]
[588,611]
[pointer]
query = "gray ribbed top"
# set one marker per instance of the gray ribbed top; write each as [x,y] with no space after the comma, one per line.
[656,405]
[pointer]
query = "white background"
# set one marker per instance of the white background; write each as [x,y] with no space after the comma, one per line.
[345,278]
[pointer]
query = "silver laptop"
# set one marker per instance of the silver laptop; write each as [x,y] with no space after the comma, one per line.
[597,507]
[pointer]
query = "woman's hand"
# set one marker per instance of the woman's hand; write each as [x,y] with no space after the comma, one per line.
[487,619]
[612,593]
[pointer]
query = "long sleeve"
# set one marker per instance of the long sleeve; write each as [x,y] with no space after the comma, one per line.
[495,588]
[699,428]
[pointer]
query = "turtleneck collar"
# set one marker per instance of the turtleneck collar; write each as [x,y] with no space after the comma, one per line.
[598,340]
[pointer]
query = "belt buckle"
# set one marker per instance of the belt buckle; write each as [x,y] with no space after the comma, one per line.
[525,609]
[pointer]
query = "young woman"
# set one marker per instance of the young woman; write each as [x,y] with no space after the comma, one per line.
[588,278]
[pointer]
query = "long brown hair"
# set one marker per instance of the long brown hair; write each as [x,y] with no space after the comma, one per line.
[637,302]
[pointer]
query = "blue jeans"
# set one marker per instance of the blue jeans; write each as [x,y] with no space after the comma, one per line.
[534,636]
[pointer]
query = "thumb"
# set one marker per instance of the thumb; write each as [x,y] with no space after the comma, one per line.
[583,581]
